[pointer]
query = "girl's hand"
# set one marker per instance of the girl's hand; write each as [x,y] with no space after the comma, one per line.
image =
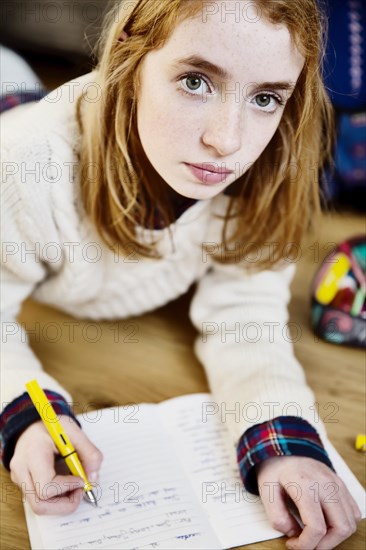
[33,468]
[327,510]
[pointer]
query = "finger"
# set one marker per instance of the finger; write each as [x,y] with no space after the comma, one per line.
[45,480]
[58,486]
[340,520]
[90,456]
[351,509]
[313,519]
[67,504]
[274,500]
[340,517]
[18,470]
[20,476]
[58,505]
[355,508]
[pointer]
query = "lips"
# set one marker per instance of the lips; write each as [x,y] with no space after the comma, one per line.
[212,168]
[208,176]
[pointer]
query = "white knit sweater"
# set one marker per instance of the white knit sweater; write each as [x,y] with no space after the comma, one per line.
[51,251]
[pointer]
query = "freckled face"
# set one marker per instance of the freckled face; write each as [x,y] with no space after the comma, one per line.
[189,116]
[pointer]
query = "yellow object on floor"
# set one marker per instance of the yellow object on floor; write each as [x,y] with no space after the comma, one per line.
[360,443]
[339,266]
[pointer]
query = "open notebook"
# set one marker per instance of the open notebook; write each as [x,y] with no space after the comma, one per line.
[169,480]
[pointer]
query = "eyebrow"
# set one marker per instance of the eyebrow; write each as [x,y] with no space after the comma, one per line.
[200,63]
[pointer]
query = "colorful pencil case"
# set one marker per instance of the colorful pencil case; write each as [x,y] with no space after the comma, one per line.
[338,295]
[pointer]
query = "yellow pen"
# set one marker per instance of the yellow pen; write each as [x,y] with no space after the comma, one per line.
[56,431]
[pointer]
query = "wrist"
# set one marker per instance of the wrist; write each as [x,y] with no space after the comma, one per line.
[280,438]
[20,414]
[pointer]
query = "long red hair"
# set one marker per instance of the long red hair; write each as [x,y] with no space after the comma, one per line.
[274,201]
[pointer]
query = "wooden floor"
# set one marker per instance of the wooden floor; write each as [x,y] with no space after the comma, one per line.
[160,364]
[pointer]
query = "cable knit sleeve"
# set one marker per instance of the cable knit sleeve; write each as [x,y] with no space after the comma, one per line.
[245,346]
[26,226]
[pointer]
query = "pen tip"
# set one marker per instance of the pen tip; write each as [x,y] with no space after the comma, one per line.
[90,497]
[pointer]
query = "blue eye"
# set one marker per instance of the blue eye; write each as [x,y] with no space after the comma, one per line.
[263,100]
[195,84]
[268,99]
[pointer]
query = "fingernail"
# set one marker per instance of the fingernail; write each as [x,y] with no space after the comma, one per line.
[93,476]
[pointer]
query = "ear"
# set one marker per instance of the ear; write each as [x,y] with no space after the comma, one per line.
[123,36]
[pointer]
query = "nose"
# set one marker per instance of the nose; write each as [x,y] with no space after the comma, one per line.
[224,129]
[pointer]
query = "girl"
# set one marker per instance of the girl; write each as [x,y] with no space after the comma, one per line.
[191,151]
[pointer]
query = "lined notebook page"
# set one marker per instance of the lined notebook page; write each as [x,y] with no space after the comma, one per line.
[203,445]
[144,499]
[209,459]
[169,480]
